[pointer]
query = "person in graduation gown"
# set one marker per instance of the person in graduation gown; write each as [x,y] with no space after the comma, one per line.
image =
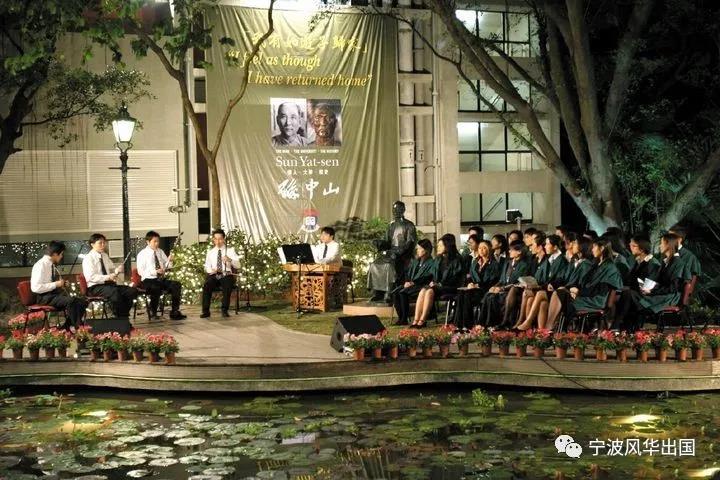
[645,266]
[499,248]
[50,289]
[688,257]
[514,236]
[448,275]
[484,273]
[600,281]
[619,245]
[667,290]
[418,275]
[467,252]
[580,265]
[493,303]
[550,275]
[513,301]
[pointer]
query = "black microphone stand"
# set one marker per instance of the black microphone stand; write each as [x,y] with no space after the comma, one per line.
[298,262]
[248,307]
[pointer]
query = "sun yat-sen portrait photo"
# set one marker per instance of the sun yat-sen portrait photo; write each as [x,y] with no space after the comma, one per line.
[288,122]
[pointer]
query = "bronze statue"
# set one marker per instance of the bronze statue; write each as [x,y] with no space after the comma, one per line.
[396,251]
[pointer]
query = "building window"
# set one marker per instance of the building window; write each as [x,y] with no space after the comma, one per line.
[487,208]
[510,31]
[492,147]
[469,102]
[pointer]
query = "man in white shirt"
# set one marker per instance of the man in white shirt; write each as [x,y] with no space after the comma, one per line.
[49,288]
[327,252]
[101,274]
[219,263]
[152,264]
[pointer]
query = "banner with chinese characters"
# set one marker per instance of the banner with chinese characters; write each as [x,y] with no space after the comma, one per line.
[315,138]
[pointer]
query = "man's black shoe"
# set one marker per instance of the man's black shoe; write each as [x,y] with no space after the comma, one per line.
[177,316]
[204,314]
[225,313]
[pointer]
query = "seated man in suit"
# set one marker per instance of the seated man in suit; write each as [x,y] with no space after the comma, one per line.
[151,265]
[328,251]
[49,288]
[219,263]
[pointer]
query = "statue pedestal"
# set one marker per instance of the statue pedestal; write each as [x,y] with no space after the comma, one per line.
[368,308]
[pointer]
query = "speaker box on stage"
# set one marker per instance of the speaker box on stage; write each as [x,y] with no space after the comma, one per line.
[109,325]
[354,325]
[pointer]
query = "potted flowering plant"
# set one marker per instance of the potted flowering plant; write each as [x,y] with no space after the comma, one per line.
[123,348]
[358,343]
[561,342]
[155,344]
[391,345]
[46,342]
[642,343]
[712,337]
[541,339]
[661,344]
[375,343]
[444,337]
[82,335]
[137,345]
[580,342]
[33,344]
[2,346]
[16,343]
[169,348]
[409,340]
[427,341]
[679,343]
[623,341]
[465,338]
[503,340]
[55,339]
[697,342]
[110,343]
[521,342]
[17,323]
[603,341]
[93,345]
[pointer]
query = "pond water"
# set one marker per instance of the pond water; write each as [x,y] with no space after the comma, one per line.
[434,433]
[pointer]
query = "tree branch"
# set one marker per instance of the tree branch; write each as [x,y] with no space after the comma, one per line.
[14,43]
[628,46]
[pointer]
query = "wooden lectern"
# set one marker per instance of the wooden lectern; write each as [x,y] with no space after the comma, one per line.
[324,287]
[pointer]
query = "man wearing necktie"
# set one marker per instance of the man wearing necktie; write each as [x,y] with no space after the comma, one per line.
[327,252]
[152,264]
[219,264]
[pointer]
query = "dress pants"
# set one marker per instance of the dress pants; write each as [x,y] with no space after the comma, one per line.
[74,307]
[465,302]
[226,283]
[492,309]
[120,297]
[402,299]
[157,286]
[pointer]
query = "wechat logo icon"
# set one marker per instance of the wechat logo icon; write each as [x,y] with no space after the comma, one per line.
[566,444]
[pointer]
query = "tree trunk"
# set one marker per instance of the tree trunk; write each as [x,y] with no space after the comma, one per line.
[215,212]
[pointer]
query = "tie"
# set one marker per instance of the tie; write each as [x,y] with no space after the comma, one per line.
[54,277]
[509,273]
[102,265]
[219,262]
[325,251]
[157,262]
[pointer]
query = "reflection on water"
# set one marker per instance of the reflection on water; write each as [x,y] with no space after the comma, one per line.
[402,434]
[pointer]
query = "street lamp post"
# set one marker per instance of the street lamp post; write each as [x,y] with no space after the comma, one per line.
[123,127]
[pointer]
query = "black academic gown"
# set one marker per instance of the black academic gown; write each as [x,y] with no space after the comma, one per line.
[669,289]
[642,270]
[691,262]
[554,273]
[603,278]
[493,304]
[484,276]
[448,274]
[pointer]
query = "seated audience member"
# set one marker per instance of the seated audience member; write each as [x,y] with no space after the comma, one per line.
[591,235]
[50,289]
[528,236]
[484,273]
[619,257]
[219,264]
[418,275]
[665,292]
[492,305]
[152,264]
[328,251]
[513,300]
[550,275]
[569,238]
[645,266]
[580,265]
[467,253]
[514,236]
[448,275]
[499,248]
[688,257]
[101,275]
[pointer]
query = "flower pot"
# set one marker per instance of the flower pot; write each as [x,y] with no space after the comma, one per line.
[138,355]
[377,353]
[49,352]
[579,353]
[359,354]
[560,352]
[697,353]
[600,354]
[123,355]
[170,358]
[393,352]
[504,350]
[661,354]
[621,355]
[412,352]
[107,355]
[538,352]
[17,353]
[94,355]
[486,350]
[427,352]
[716,353]
[62,352]
[681,354]
[34,354]
[520,350]
[642,355]
[81,345]
[444,351]
[155,356]
[463,350]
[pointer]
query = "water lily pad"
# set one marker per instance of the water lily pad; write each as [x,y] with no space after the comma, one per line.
[193,459]
[189,441]
[225,442]
[224,459]
[163,462]
[177,434]
[219,471]
[9,462]
[138,473]
[155,433]
[205,477]
[131,439]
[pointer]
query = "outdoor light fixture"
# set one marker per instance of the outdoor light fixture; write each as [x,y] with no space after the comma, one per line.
[123,128]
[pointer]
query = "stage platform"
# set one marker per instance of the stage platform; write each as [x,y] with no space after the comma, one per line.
[250,353]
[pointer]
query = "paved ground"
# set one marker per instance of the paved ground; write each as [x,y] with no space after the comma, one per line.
[244,338]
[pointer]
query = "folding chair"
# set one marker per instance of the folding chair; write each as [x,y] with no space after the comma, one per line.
[680,310]
[91,299]
[29,302]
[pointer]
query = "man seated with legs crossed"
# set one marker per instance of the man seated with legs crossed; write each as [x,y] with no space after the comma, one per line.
[101,274]
[151,265]
[219,262]
[50,289]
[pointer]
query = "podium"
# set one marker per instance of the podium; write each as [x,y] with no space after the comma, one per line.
[323,288]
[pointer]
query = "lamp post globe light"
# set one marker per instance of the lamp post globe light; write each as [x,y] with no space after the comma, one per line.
[123,127]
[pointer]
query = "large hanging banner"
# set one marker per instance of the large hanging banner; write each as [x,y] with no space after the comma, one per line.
[315,138]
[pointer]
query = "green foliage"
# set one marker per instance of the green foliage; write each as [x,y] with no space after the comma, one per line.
[483,400]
